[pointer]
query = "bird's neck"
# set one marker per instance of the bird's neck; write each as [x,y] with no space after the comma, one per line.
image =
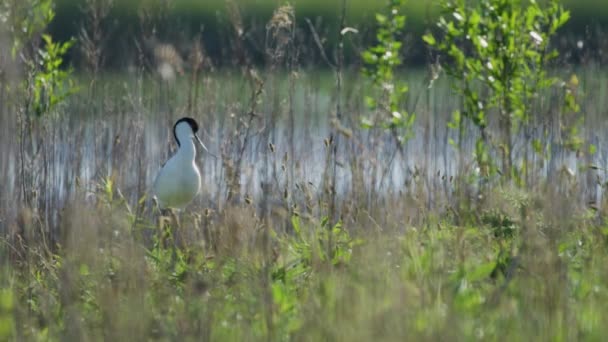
[187,149]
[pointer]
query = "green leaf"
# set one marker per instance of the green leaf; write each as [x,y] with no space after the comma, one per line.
[592,149]
[481,272]
[370,102]
[537,146]
[429,39]
[6,300]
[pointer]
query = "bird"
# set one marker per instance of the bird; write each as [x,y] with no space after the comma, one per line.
[179,179]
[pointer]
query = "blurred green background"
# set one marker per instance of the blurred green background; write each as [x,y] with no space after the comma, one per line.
[185,18]
[585,10]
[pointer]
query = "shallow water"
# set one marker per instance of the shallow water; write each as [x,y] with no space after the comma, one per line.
[122,127]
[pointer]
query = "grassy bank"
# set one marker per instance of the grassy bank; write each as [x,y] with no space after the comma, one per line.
[526,271]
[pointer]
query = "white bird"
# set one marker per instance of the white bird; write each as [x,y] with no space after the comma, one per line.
[179,180]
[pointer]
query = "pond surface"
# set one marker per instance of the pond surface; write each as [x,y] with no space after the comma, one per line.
[120,126]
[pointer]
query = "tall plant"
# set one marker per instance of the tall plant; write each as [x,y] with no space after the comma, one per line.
[381,61]
[45,82]
[496,52]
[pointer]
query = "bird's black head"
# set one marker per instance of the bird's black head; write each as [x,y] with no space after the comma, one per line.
[193,124]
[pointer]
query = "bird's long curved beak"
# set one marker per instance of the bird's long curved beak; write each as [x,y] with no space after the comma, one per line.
[203,145]
[200,142]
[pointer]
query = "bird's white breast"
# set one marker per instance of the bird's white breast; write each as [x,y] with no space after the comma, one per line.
[178,183]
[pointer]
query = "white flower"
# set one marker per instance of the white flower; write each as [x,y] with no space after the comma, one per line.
[536,37]
[483,42]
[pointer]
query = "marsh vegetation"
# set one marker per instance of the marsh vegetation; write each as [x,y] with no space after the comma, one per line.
[345,198]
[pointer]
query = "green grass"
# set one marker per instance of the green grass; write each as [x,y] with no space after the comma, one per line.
[545,280]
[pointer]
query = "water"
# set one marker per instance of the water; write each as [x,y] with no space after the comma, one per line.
[122,129]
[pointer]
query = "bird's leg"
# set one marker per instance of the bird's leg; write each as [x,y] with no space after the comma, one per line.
[174,218]
[163,219]
[175,236]
[178,230]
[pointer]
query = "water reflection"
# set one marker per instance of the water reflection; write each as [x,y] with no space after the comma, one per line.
[122,130]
